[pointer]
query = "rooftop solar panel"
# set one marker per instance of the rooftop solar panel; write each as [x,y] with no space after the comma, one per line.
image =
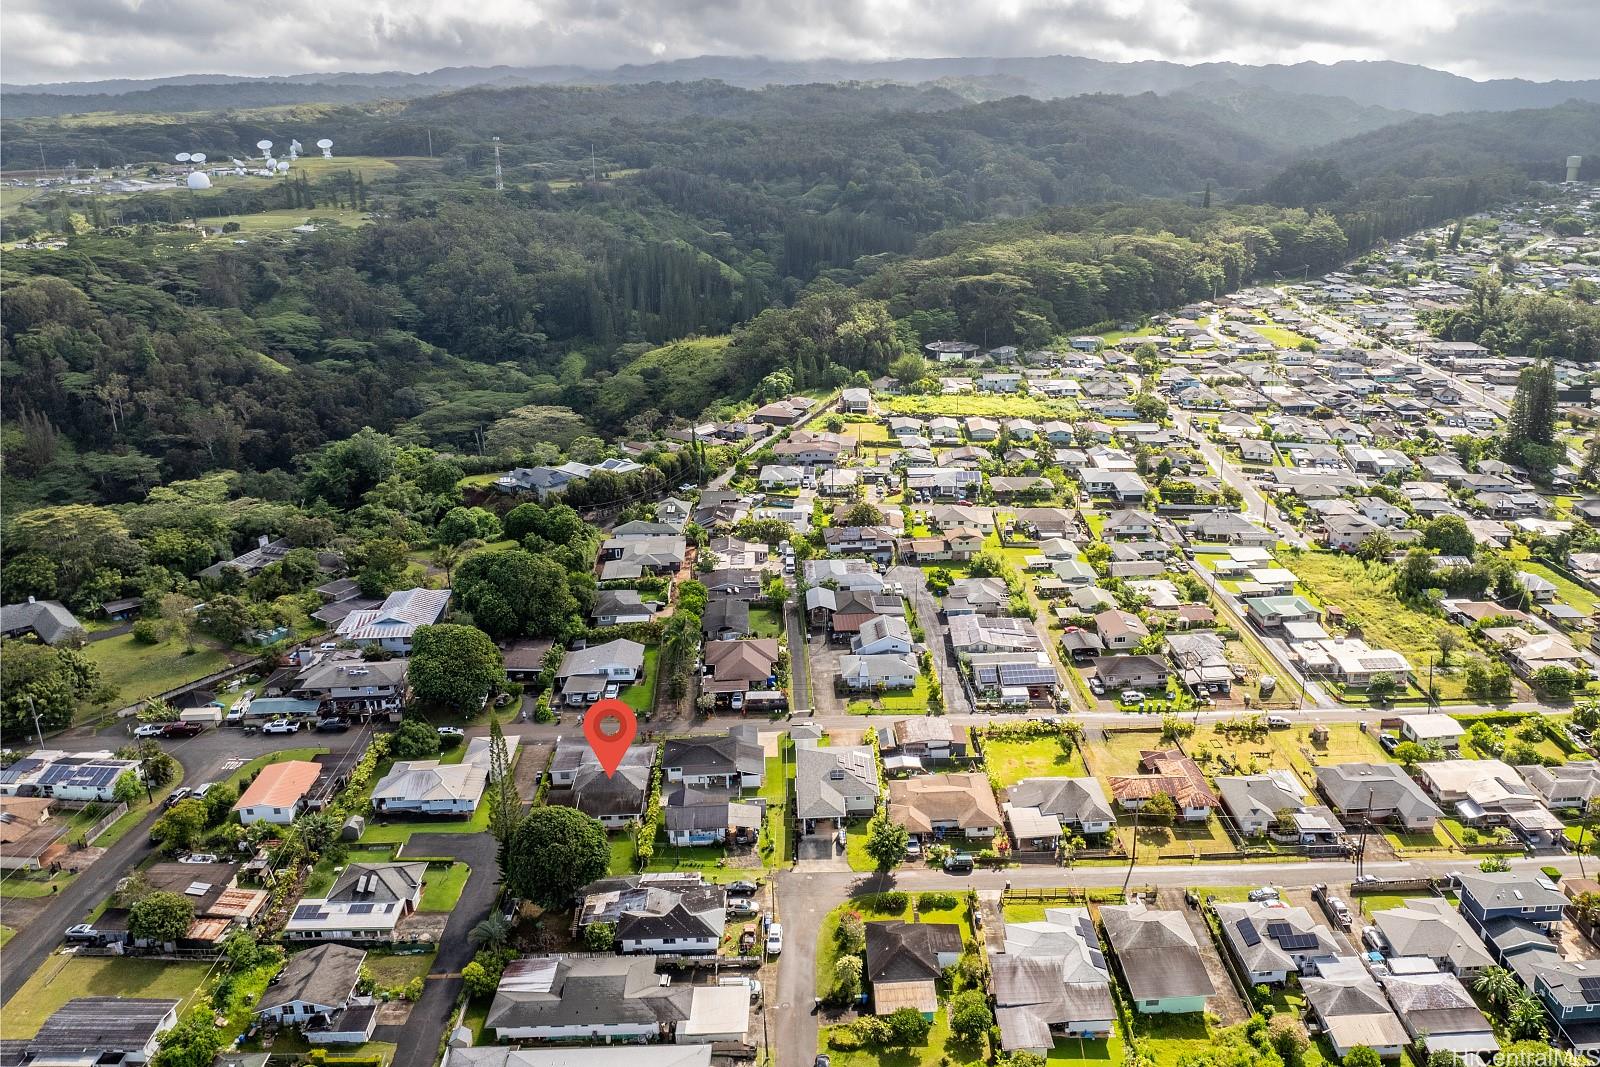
[1247,932]
[1297,942]
[1279,928]
[306,912]
[360,909]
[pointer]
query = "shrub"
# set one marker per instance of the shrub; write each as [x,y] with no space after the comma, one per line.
[937,901]
[147,632]
[894,900]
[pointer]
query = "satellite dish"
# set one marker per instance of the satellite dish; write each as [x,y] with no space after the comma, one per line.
[327,148]
[283,166]
[182,157]
[197,179]
[264,144]
[198,157]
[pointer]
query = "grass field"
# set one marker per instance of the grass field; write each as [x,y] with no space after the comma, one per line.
[1567,591]
[1118,753]
[390,970]
[138,671]
[1363,591]
[775,790]
[442,887]
[1015,407]
[765,622]
[397,830]
[284,221]
[913,701]
[1041,757]
[62,978]
[27,884]
[1278,335]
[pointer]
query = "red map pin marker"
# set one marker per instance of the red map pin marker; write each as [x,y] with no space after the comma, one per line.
[610,727]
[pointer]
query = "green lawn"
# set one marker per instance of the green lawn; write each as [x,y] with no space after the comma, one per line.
[392,970]
[139,671]
[63,978]
[1363,591]
[442,887]
[24,884]
[285,220]
[397,830]
[1080,1052]
[1567,590]
[856,847]
[622,852]
[765,622]
[775,828]
[641,696]
[6,933]
[1041,757]
[1278,335]
[1386,901]
[913,701]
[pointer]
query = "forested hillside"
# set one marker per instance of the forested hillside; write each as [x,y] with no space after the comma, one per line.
[818,232]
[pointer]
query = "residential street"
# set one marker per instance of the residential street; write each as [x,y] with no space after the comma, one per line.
[914,582]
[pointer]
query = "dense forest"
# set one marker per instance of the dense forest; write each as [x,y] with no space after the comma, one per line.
[817,231]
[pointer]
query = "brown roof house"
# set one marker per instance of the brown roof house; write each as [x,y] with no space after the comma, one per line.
[1171,772]
[940,805]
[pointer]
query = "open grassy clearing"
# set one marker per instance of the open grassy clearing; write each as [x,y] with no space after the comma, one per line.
[441,888]
[995,407]
[1362,591]
[391,970]
[913,701]
[766,622]
[28,884]
[138,671]
[1009,761]
[62,978]
[1118,752]
[284,221]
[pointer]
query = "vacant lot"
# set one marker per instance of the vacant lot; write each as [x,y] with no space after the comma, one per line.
[442,887]
[1363,591]
[138,671]
[1118,753]
[1010,761]
[62,978]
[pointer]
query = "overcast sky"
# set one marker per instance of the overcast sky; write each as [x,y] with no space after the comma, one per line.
[74,40]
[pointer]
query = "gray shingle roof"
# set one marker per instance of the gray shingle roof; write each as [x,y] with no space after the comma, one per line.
[323,975]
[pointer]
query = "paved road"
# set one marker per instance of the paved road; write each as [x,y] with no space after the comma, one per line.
[202,758]
[418,1041]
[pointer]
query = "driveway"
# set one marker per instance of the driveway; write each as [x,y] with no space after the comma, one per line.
[914,582]
[417,1042]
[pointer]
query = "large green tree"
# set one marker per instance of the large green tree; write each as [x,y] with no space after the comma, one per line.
[161,917]
[555,852]
[454,667]
[39,679]
[516,594]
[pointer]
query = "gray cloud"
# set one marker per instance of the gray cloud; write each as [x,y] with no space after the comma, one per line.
[49,40]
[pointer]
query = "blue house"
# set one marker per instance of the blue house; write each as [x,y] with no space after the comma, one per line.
[1570,989]
[1530,898]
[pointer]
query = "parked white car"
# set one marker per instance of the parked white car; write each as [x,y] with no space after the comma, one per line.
[149,729]
[774,939]
[281,726]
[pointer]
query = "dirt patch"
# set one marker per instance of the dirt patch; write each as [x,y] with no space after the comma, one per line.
[394,1013]
[1573,945]
[422,926]
[530,767]
[80,859]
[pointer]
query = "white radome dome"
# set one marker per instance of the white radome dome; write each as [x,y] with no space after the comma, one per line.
[198,180]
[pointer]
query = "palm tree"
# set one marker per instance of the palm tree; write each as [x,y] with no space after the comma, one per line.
[1586,907]
[1498,986]
[492,932]
[1525,1017]
[445,557]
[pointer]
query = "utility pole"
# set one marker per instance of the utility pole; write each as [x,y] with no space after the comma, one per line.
[499,175]
[37,729]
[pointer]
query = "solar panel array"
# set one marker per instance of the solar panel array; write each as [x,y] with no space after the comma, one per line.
[1279,928]
[1247,932]
[307,913]
[1590,988]
[1297,942]
[360,909]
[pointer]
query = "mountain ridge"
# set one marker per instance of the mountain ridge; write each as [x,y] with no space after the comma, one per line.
[1381,83]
